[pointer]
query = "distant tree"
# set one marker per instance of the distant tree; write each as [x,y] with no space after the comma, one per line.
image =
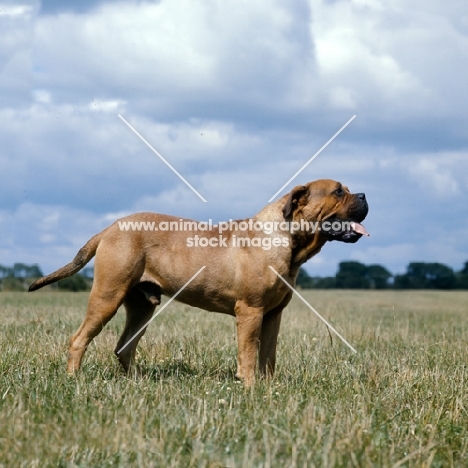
[35,272]
[401,282]
[303,280]
[414,278]
[88,272]
[21,270]
[74,283]
[462,277]
[5,271]
[327,282]
[13,278]
[13,284]
[352,275]
[464,270]
[378,276]
[420,275]
[441,276]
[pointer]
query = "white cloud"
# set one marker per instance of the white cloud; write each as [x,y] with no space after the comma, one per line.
[442,174]
[98,105]
[355,55]
[41,96]
[16,24]
[16,11]
[342,98]
[49,235]
[188,46]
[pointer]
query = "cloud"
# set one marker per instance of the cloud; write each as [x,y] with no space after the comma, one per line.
[237,96]
[437,175]
[199,52]
[271,64]
[53,7]
[400,67]
[16,24]
[49,235]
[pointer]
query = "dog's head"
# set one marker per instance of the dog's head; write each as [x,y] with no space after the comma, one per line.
[330,207]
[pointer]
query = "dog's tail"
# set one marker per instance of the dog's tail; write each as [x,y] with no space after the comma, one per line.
[84,255]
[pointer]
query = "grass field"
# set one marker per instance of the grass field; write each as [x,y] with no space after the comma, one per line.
[401,401]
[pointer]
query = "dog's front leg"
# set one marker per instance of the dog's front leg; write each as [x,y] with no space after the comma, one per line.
[249,325]
[268,339]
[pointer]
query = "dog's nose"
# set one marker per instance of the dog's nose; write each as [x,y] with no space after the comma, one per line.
[361,196]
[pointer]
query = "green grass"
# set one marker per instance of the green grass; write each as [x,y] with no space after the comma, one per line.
[401,401]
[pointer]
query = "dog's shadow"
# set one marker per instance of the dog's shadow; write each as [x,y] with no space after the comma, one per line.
[167,369]
[179,369]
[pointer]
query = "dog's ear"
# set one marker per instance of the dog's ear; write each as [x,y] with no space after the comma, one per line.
[293,200]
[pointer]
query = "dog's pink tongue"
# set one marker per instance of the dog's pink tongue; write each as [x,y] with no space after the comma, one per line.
[360,229]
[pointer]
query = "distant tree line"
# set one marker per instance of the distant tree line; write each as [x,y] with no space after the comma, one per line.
[419,275]
[20,276]
[350,275]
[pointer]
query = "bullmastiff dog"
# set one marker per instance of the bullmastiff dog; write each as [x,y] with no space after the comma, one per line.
[139,258]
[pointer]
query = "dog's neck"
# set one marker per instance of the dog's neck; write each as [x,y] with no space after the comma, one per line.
[304,244]
[305,247]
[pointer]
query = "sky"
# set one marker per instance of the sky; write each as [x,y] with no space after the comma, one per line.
[237,96]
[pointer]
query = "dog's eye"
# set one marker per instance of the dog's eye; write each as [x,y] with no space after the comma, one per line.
[339,191]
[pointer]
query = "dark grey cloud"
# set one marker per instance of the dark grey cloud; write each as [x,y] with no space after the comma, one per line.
[54,7]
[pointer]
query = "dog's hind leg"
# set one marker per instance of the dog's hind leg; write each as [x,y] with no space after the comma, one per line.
[139,303]
[101,308]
